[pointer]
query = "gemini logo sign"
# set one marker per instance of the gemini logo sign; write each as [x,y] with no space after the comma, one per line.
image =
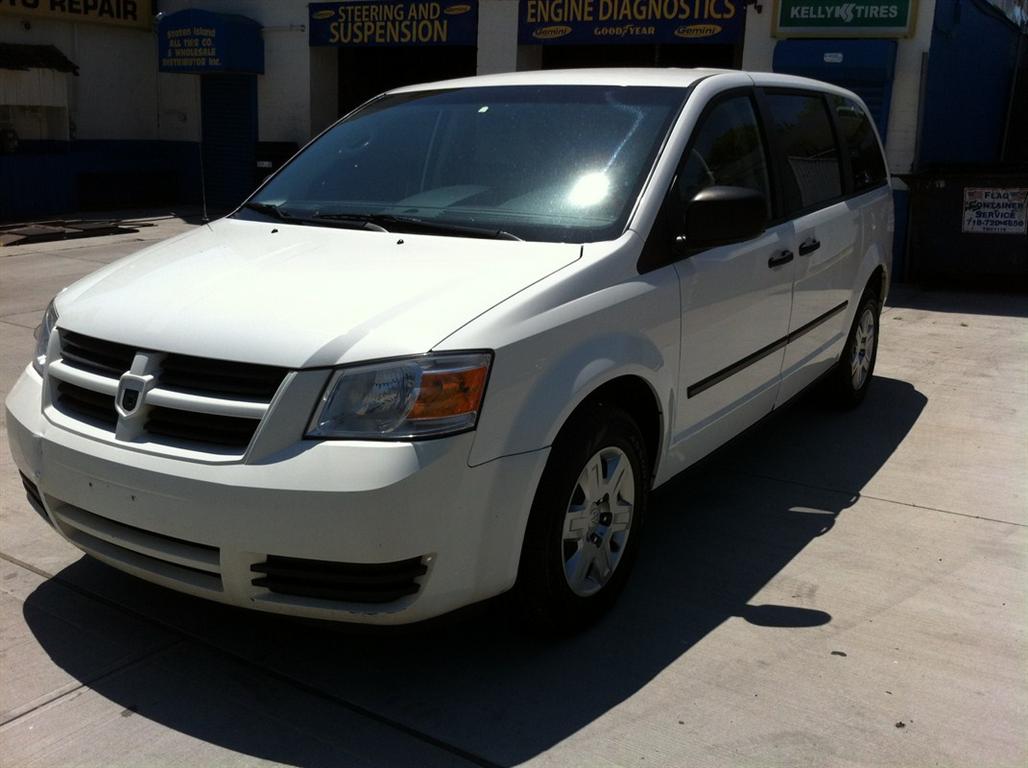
[844,18]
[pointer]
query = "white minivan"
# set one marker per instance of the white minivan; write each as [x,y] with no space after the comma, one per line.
[450,348]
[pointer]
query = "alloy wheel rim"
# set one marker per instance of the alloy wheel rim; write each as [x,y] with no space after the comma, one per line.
[598,521]
[863,349]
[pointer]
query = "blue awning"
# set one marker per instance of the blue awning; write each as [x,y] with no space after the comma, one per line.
[195,41]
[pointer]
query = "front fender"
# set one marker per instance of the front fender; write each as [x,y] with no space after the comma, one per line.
[555,346]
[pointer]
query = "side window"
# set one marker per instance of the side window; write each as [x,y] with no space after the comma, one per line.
[861,144]
[811,169]
[726,150]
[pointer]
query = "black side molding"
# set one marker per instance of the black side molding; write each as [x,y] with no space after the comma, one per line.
[716,378]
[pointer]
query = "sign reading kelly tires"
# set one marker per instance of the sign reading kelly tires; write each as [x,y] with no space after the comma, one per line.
[995,211]
[844,18]
[606,22]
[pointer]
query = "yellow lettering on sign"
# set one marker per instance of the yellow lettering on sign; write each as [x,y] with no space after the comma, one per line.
[122,13]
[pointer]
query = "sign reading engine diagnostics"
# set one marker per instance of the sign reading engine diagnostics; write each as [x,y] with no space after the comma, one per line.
[549,22]
[400,23]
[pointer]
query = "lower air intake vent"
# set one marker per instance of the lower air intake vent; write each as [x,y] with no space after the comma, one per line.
[344,582]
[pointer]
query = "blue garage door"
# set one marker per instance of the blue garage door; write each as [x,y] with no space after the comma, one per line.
[229,120]
[865,67]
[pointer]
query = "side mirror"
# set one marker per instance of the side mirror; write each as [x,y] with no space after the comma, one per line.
[722,215]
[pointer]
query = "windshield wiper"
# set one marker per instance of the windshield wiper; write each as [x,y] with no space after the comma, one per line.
[276,212]
[269,209]
[412,222]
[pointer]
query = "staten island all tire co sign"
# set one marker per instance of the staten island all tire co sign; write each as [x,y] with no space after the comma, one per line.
[844,18]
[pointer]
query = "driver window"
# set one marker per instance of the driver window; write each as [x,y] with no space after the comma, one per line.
[726,151]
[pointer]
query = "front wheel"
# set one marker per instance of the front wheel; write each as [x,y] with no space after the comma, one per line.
[853,374]
[583,532]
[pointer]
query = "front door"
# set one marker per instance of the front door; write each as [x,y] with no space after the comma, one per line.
[736,298]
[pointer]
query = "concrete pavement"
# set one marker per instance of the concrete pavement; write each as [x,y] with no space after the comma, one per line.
[833,589]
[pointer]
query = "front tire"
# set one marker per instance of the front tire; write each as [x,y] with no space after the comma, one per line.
[584,529]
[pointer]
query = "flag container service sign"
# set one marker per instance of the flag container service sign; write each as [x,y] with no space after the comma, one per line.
[844,18]
[995,211]
[554,22]
[378,23]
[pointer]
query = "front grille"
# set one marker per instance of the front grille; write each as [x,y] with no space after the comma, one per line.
[94,355]
[228,431]
[168,557]
[93,407]
[220,378]
[199,402]
[343,582]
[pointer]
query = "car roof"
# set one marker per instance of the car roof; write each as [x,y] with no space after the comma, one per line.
[620,76]
[640,76]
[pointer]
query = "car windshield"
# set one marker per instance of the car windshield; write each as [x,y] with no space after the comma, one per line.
[553,163]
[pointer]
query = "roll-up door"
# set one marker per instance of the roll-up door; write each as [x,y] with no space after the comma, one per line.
[229,127]
[865,67]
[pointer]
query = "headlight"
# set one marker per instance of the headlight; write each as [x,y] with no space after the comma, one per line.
[402,399]
[42,333]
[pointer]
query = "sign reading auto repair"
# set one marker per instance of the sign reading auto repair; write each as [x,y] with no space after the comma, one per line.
[126,13]
[549,22]
[996,211]
[378,23]
[844,18]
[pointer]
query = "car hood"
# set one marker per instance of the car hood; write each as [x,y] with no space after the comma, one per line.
[299,296]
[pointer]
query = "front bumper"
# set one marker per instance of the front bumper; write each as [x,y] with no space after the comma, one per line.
[200,527]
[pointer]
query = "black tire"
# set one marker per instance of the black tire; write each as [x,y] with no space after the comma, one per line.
[544,596]
[847,392]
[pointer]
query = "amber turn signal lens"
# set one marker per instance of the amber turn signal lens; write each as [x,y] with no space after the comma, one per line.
[449,393]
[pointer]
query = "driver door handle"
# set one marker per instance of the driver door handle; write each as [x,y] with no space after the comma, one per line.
[782,258]
[809,246]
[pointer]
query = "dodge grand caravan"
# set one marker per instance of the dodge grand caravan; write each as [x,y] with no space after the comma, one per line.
[449,349]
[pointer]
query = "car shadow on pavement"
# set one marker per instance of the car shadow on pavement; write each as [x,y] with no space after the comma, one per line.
[473,685]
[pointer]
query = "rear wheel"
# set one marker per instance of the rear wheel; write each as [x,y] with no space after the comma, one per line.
[852,375]
[583,532]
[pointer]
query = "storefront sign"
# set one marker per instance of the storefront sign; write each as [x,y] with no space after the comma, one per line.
[194,41]
[996,211]
[606,22]
[380,23]
[844,18]
[122,13]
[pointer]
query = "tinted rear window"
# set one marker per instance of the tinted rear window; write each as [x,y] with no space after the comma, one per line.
[861,144]
[811,173]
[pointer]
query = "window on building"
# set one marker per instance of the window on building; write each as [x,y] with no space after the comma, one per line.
[812,174]
[861,144]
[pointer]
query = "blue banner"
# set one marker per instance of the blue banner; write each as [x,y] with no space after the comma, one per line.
[606,22]
[195,41]
[381,23]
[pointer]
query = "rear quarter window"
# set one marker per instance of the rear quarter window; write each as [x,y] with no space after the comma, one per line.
[860,143]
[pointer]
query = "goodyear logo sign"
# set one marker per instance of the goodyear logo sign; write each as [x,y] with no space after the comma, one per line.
[548,22]
[379,23]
